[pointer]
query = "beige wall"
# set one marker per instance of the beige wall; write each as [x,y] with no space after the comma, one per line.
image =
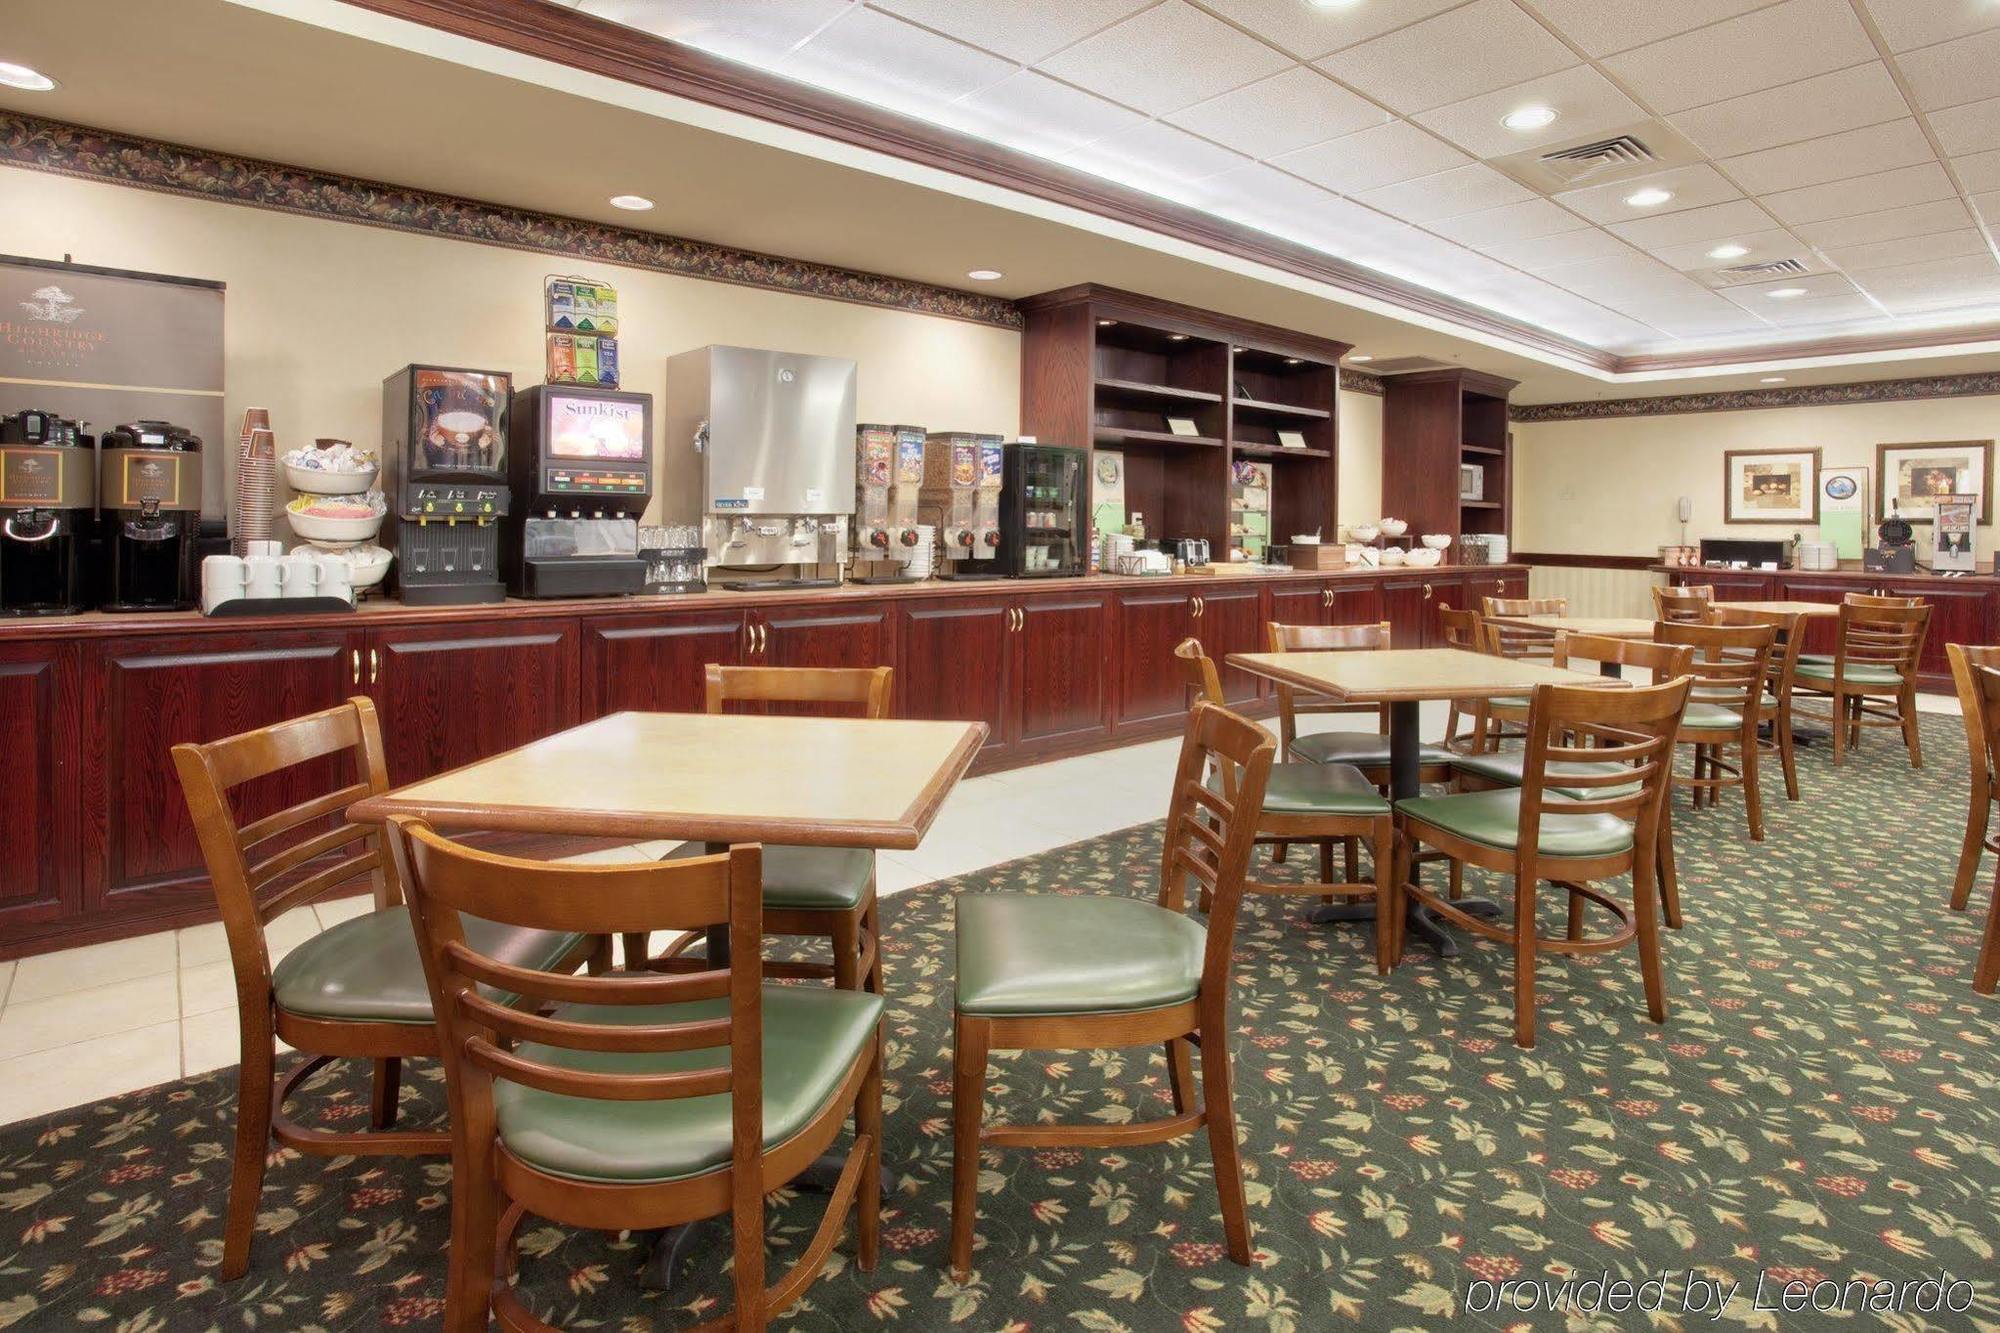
[1360,422]
[1609,487]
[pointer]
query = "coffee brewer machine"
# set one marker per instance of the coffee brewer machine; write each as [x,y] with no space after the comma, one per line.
[889,463]
[48,487]
[579,462]
[961,496]
[149,503]
[446,430]
[759,454]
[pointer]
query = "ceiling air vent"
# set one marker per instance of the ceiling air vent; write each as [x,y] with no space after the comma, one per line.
[1580,163]
[1774,268]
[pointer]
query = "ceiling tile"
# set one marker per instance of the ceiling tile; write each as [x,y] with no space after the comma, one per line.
[755,34]
[1862,194]
[1310,31]
[1937,280]
[1716,223]
[1536,253]
[1447,194]
[1585,103]
[1276,115]
[1601,27]
[1264,197]
[1153,156]
[1510,222]
[1035,114]
[1810,310]
[1487,44]
[1859,259]
[1369,158]
[1168,57]
[1787,42]
[1971,128]
[1988,204]
[1706,324]
[1964,70]
[1692,187]
[1887,225]
[1760,247]
[1895,143]
[890,63]
[1628,276]
[1905,24]
[1809,109]
[1978,171]
[1756,296]
[1023,30]
[1955,303]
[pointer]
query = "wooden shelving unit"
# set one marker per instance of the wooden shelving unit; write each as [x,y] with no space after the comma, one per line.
[1432,423]
[1105,368]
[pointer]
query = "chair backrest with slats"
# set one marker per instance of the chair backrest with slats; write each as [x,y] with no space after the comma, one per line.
[1212,827]
[1632,728]
[264,867]
[1461,628]
[1198,670]
[864,688]
[1665,660]
[1967,662]
[1886,637]
[1292,703]
[715,1050]
[1534,643]
[1789,626]
[1731,662]
[1684,604]
[1881,599]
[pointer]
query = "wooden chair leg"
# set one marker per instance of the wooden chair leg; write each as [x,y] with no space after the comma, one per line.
[384,1088]
[1646,921]
[847,950]
[1986,975]
[636,949]
[1913,737]
[747,1223]
[1353,860]
[1457,879]
[1753,792]
[1840,729]
[1399,875]
[868,1200]
[1524,962]
[968,1091]
[1575,924]
[474,1258]
[871,925]
[1975,847]
[1326,860]
[255,1083]
[1670,880]
[1386,899]
[1787,750]
[1180,1074]
[1218,1100]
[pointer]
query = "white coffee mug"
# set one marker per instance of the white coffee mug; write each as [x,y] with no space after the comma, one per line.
[221,580]
[336,579]
[264,577]
[301,575]
[272,549]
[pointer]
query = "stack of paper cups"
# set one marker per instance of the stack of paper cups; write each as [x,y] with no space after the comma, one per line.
[256,481]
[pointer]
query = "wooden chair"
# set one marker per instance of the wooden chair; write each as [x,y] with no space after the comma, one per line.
[1865,599]
[1462,630]
[1367,751]
[1607,827]
[1318,804]
[1875,656]
[1687,605]
[812,892]
[1979,690]
[1087,972]
[628,1102]
[1522,643]
[355,991]
[1776,709]
[1730,666]
[1966,662]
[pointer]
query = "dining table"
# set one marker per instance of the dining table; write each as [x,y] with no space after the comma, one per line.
[1403,679]
[1603,627]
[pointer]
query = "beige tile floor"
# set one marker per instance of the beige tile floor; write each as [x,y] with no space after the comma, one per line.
[68,1036]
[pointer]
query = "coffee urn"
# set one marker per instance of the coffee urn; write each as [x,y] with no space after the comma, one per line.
[48,487]
[149,503]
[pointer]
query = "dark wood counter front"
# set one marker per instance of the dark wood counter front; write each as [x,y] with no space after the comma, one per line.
[95,840]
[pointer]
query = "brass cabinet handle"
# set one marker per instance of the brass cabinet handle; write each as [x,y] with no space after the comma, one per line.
[1427,590]
[374,666]
[357,666]
[1197,608]
[763,638]
[1020,618]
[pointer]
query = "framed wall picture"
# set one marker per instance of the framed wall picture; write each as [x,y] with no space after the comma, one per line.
[1915,475]
[1770,486]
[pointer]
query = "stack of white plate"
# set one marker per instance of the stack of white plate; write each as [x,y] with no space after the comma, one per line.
[1496,549]
[1818,555]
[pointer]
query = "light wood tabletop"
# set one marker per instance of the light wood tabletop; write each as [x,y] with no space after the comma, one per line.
[1397,675]
[807,781]
[1788,608]
[1609,627]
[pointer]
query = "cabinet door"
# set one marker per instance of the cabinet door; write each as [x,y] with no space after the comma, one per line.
[1231,620]
[151,693]
[1407,604]
[954,658]
[1062,669]
[1820,631]
[1301,603]
[845,636]
[1354,602]
[1729,587]
[450,695]
[42,732]
[655,663]
[1959,614]
[1468,591]
[1150,687]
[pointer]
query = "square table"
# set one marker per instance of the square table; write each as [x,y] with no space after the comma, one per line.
[1787,608]
[1604,627]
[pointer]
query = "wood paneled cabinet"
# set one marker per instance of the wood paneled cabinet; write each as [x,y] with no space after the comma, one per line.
[655,663]
[452,694]
[41,715]
[1148,623]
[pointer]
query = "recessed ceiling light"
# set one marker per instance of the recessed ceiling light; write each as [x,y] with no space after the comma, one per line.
[1529,118]
[632,203]
[1292,360]
[1360,356]
[1772,379]
[1731,251]
[1650,197]
[1785,293]
[985,275]
[27,80]
[1106,323]
[1331,4]
[1176,337]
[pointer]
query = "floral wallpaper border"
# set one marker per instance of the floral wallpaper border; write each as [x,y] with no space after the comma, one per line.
[1743,400]
[147,164]
[1360,381]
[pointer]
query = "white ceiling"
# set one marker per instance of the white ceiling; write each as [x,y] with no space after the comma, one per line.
[1860,138]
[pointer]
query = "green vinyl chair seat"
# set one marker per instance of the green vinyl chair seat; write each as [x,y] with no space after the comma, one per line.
[1049,954]
[1816,657]
[1364,749]
[813,1038]
[1857,674]
[1510,701]
[367,969]
[1493,819]
[1712,717]
[1322,789]
[808,879]
[1507,767]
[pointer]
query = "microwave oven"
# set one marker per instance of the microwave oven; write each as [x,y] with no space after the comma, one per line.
[1471,481]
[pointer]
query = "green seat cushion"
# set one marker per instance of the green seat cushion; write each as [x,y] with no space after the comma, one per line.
[1322,789]
[1711,717]
[1816,657]
[1493,818]
[1521,701]
[1021,953]
[811,879]
[1506,767]
[366,970]
[1857,673]
[1365,749]
[812,1038]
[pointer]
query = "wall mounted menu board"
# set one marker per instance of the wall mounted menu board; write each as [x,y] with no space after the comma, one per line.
[106,346]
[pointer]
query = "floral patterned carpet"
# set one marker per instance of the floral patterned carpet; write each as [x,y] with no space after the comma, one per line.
[1823,1103]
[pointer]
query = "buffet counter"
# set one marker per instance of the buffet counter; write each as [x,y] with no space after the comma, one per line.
[95,842]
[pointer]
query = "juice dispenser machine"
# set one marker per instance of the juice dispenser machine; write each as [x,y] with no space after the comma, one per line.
[149,502]
[48,487]
[579,464]
[889,463]
[446,430]
[963,474]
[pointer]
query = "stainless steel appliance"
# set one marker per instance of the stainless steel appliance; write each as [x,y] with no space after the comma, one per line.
[759,453]
[445,431]
[580,468]
[1188,550]
[889,475]
[1044,512]
[1743,553]
[963,474]
[48,488]
[149,500]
